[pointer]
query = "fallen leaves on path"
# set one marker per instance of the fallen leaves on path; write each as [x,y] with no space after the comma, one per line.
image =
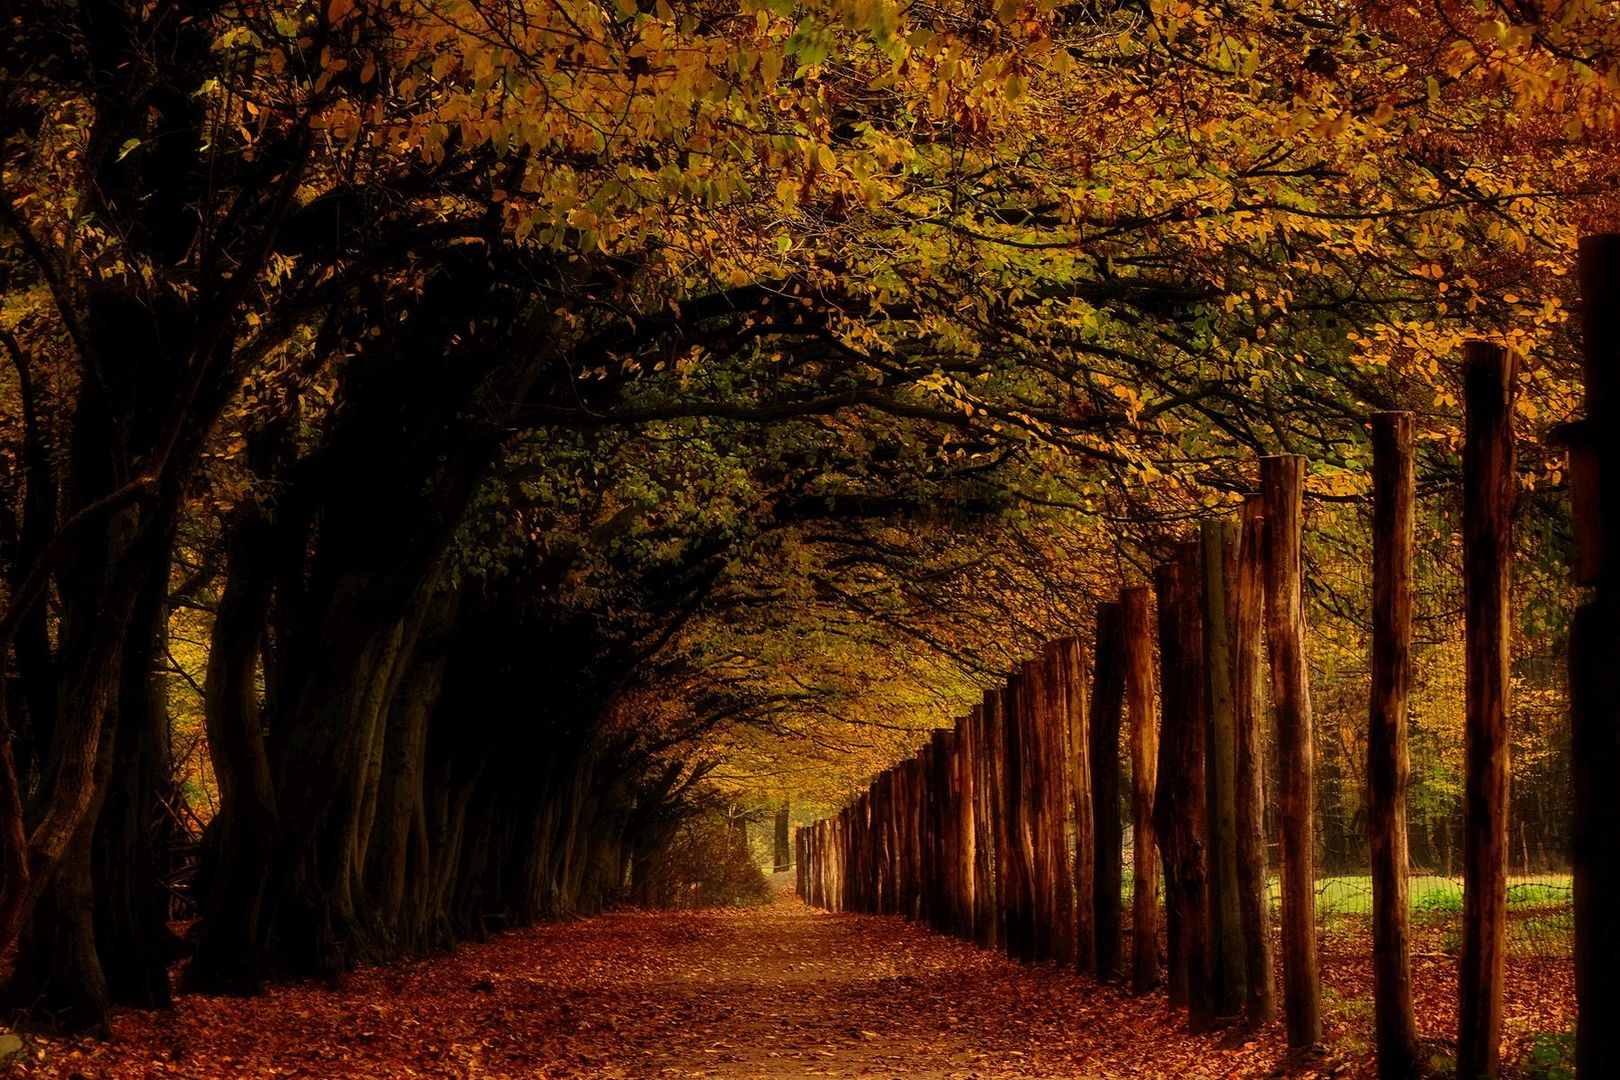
[773,992]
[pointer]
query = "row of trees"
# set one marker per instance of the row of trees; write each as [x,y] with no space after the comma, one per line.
[477,429]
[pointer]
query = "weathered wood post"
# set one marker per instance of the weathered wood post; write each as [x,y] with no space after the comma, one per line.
[921,809]
[1489,376]
[1254,908]
[951,841]
[853,854]
[904,875]
[1071,746]
[1594,668]
[1180,814]
[1019,896]
[1282,482]
[1137,664]
[883,856]
[1047,807]
[1107,702]
[938,834]
[966,835]
[839,893]
[1388,767]
[995,772]
[1219,557]
[817,869]
[1028,795]
[1167,593]
[783,853]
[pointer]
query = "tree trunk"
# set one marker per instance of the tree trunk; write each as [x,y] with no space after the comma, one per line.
[57,982]
[231,879]
[135,828]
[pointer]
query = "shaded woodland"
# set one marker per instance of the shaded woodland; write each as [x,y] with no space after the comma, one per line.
[461,461]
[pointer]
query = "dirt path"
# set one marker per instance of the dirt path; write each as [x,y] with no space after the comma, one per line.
[775,992]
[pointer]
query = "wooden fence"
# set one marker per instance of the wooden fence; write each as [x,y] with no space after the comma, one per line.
[1006,829]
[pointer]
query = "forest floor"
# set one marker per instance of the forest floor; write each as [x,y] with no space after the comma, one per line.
[767,992]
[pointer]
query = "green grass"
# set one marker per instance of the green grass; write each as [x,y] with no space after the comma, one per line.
[1351,894]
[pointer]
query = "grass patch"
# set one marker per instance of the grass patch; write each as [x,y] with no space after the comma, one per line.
[1351,894]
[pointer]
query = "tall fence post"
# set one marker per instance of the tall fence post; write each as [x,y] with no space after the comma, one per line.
[1254,907]
[1107,702]
[966,856]
[1136,662]
[783,854]
[1488,496]
[1388,768]
[1180,815]
[1282,482]
[1218,541]
[1072,776]
[987,912]
[1018,932]
[1594,669]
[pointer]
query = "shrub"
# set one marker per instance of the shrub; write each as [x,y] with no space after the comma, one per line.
[705,863]
[1442,899]
[1549,1055]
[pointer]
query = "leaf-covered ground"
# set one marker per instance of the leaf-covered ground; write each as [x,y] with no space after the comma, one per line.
[777,991]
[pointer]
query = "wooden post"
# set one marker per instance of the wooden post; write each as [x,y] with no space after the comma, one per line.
[966,835]
[902,839]
[1019,877]
[1282,481]
[1041,713]
[1489,376]
[1594,672]
[984,833]
[883,841]
[1180,815]
[1167,589]
[1107,700]
[1219,558]
[783,854]
[1254,908]
[1136,662]
[930,832]
[813,882]
[995,736]
[951,845]
[1066,667]
[1388,767]
[937,851]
